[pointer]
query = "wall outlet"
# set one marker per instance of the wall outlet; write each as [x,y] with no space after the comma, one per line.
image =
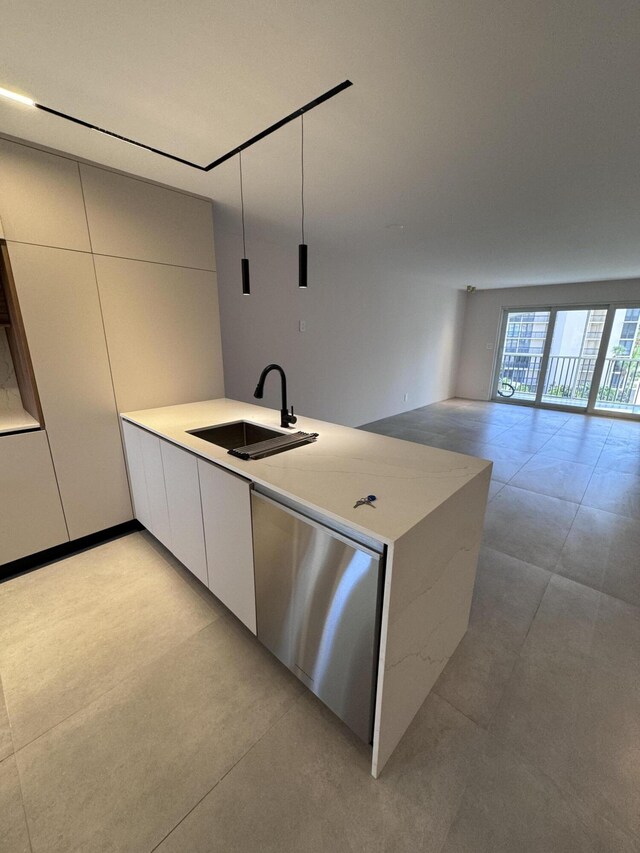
[489,346]
[302,326]
[406,398]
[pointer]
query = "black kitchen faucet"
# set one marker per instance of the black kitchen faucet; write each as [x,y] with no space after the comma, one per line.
[286,418]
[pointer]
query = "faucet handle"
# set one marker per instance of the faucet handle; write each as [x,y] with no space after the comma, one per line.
[292,418]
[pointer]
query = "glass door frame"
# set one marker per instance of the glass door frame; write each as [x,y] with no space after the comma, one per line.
[611,308]
[600,364]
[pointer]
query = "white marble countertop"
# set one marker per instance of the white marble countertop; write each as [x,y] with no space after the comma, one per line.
[344,464]
[16,420]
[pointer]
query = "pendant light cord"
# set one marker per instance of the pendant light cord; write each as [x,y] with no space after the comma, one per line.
[302,169]
[244,245]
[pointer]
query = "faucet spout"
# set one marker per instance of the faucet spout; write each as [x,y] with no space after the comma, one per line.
[286,418]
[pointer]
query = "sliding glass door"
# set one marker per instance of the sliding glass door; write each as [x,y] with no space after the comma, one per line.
[619,385]
[585,359]
[571,362]
[523,343]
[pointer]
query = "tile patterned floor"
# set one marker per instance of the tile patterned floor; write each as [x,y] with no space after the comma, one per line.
[136,715]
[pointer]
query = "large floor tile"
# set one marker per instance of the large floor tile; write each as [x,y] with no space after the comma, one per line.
[555,477]
[478,431]
[510,806]
[492,413]
[320,797]
[494,487]
[604,770]
[614,492]
[420,436]
[388,426]
[475,677]
[561,635]
[549,418]
[602,550]
[506,597]
[620,455]
[6,741]
[14,836]
[525,438]
[572,705]
[122,772]
[586,426]
[574,448]
[72,630]
[528,526]
[506,461]
[538,714]
[625,429]
[616,639]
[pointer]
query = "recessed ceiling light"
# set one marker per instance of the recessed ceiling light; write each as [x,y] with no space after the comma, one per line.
[395,226]
[22,99]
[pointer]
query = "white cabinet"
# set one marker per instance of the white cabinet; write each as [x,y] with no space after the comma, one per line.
[226,511]
[130,218]
[31,517]
[41,198]
[163,332]
[137,479]
[59,302]
[185,512]
[200,512]
[146,474]
[159,523]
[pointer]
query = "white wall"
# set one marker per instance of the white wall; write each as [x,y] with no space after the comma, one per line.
[483,316]
[375,330]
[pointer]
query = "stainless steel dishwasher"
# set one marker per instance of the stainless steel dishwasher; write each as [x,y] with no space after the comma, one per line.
[318,603]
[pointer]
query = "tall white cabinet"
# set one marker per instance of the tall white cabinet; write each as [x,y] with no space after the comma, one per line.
[59,302]
[117,287]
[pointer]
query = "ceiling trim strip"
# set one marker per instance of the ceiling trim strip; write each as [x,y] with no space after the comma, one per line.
[331,93]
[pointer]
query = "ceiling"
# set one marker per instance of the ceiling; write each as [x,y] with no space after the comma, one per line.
[504,137]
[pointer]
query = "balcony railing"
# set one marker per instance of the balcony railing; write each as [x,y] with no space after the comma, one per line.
[568,380]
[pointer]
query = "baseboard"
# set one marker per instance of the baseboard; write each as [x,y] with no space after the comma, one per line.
[58,552]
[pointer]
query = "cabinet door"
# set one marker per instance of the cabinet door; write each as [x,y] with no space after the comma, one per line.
[135,464]
[31,517]
[185,512]
[159,523]
[146,475]
[58,299]
[226,511]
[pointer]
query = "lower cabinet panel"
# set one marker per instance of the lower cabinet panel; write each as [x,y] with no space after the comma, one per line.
[226,510]
[146,477]
[31,518]
[159,523]
[137,480]
[185,512]
[200,512]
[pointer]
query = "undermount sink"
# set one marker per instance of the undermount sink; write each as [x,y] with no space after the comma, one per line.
[236,434]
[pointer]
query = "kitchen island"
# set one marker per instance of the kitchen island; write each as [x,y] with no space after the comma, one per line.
[428,519]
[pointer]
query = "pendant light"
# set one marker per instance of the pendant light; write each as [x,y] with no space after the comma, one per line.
[246,284]
[302,248]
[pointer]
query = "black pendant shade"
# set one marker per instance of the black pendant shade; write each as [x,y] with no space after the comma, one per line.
[246,283]
[302,265]
[302,247]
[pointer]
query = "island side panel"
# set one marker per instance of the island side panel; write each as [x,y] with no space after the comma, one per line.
[428,589]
